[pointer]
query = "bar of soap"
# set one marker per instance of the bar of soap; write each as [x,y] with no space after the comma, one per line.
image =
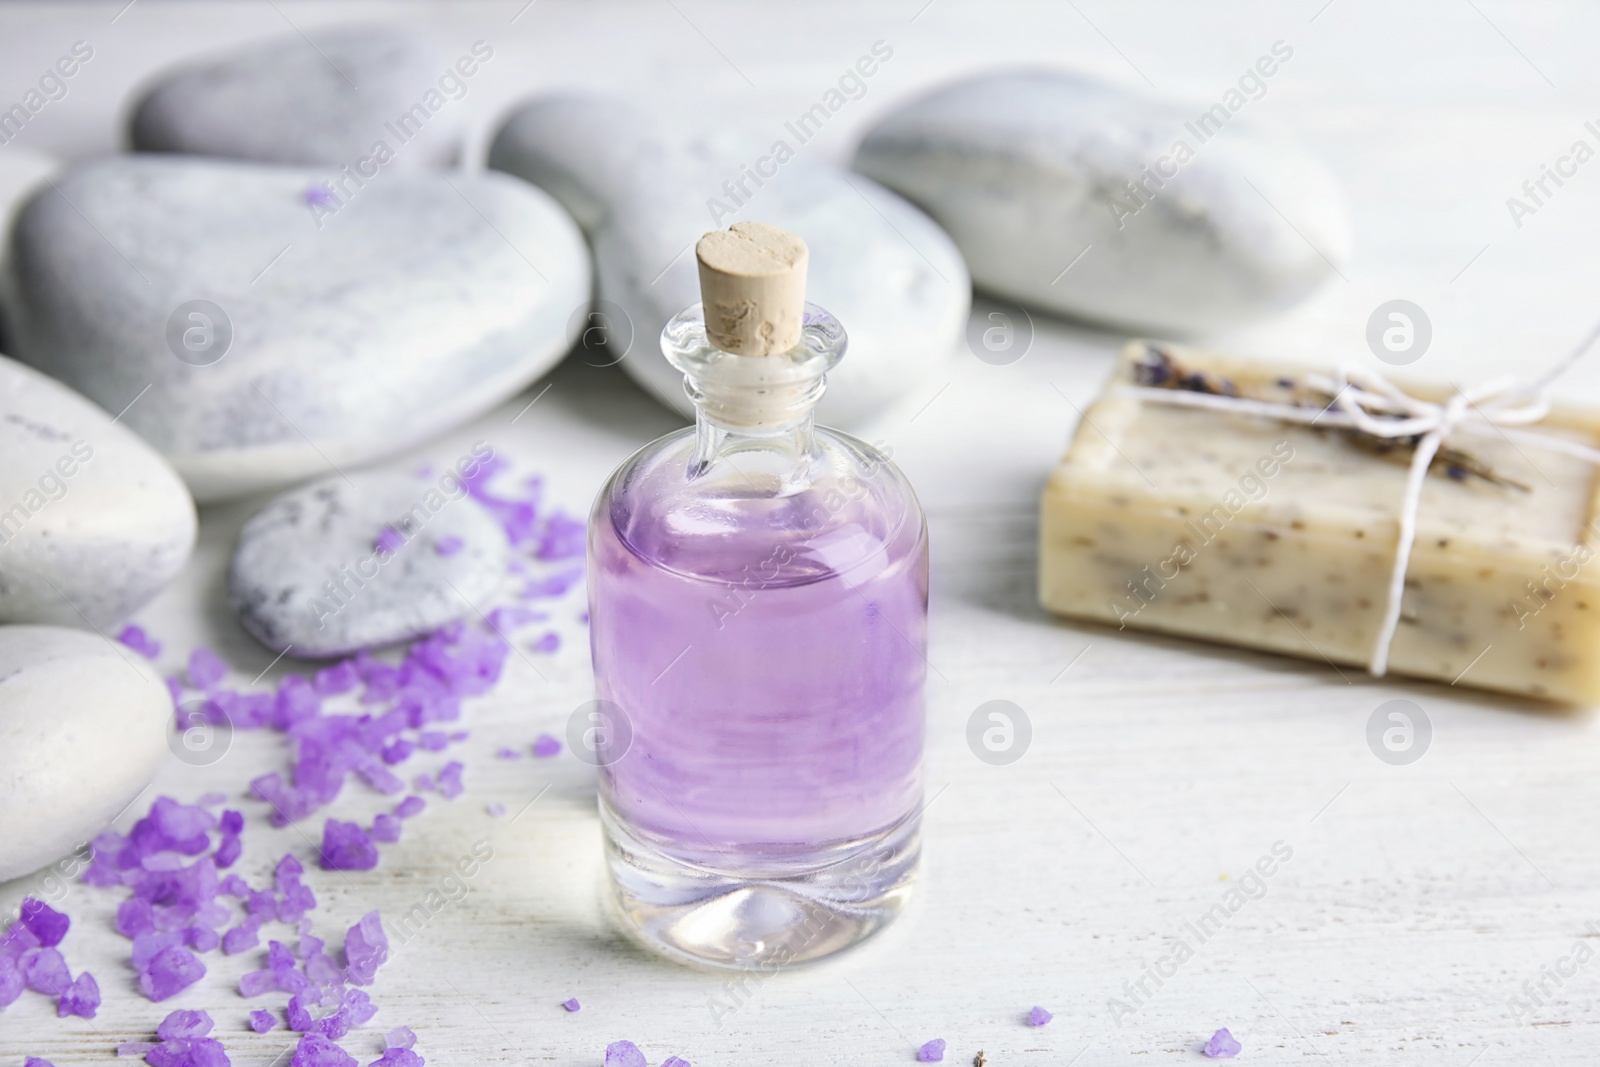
[1268,534]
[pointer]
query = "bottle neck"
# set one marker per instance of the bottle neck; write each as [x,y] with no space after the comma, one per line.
[791,446]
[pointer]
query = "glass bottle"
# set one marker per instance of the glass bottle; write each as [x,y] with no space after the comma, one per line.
[758,612]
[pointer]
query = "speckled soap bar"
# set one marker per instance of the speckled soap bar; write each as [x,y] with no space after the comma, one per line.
[1274,535]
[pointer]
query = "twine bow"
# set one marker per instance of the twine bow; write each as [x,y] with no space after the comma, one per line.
[1367,402]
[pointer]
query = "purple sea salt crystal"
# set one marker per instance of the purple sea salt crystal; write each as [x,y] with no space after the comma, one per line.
[1222,1045]
[347,847]
[366,947]
[932,1052]
[339,678]
[496,809]
[448,546]
[81,998]
[381,778]
[11,981]
[433,740]
[508,753]
[171,971]
[389,541]
[563,537]
[227,853]
[315,1050]
[45,971]
[423,783]
[201,938]
[34,1061]
[552,585]
[317,195]
[242,938]
[183,1023]
[385,828]
[235,886]
[624,1054]
[1038,1016]
[545,746]
[400,1037]
[47,924]
[676,1061]
[134,1048]
[188,1052]
[262,1021]
[398,1057]
[205,669]
[174,689]
[398,751]
[572,1004]
[548,643]
[450,785]
[135,638]
[409,807]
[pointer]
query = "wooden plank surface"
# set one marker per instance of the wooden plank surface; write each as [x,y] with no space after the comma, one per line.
[1418,899]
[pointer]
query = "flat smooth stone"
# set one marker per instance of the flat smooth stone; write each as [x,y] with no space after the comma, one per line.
[83,727]
[1028,169]
[421,301]
[891,276]
[307,573]
[93,522]
[323,98]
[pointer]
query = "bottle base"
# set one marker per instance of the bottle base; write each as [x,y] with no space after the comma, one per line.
[747,912]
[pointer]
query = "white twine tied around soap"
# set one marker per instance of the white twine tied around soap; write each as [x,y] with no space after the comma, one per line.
[1369,403]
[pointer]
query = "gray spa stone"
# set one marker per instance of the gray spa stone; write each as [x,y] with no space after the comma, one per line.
[1027,169]
[325,98]
[266,337]
[309,573]
[880,265]
[83,727]
[93,522]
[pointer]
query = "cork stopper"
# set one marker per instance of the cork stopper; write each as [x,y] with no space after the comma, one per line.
[753,288]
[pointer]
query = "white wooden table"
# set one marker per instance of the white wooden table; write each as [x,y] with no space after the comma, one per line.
[1419,898]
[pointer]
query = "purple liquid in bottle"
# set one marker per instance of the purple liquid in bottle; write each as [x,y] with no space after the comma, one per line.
[758,619]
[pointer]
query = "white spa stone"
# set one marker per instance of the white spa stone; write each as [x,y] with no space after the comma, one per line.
[93,522]
[83,727]
[417,303]
[1028,169]
[21,170]
[306,573]
[325,98]
[881,266]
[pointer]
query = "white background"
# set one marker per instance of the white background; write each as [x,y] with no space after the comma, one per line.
[1419,898]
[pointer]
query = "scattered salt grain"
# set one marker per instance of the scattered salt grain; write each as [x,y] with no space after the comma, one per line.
[389,540]
[548,643]
[205,669]
[366,947]
[46,923]
[572,1005]
[410,806]
[508,753]
[400,1037]
[624,1054]
[315,1050]
[398,1057]
[1038,1016]
[450,785]
[82,998]
[170,971]
[34,1061]
[182,1023]
[134,1048]
[932,1052]
[136,638]
[1222,1045]
[448,546]
[262,1021]
[545,746]
[347,847]
[385,828]
[496,809]
[676,1061]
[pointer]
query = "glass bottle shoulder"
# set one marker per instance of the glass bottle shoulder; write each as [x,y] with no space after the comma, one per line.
[795,509]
